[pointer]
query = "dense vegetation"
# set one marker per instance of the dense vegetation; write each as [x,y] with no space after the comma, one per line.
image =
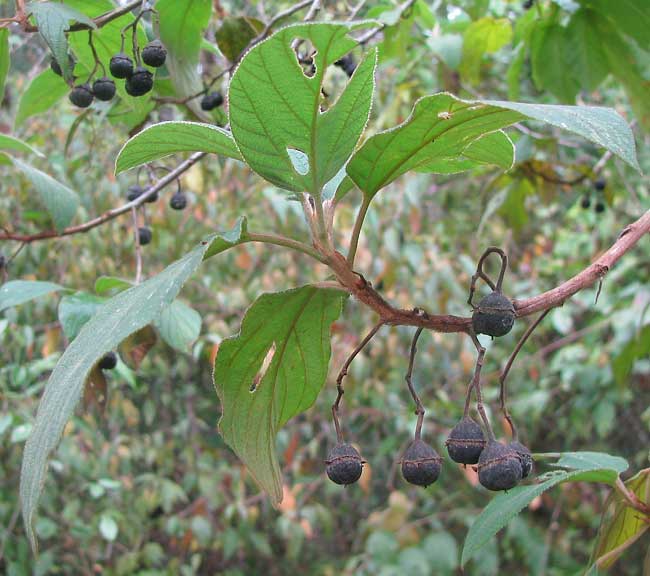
[246,162]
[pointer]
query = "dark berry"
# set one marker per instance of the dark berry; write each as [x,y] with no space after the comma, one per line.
[600,184]
[347,64]
[525,457]
[134,192]
[153,198]
[121,66]
[344,464]
[144,235]
[528,4]
[108,361]
[3,261]
[420,464]
[104,89]
[178,201]
[494,315]
[81,96]
[600,207]
[154,54]
[585,202]
[211,101]
[140,83]
[499,467]
[465,442]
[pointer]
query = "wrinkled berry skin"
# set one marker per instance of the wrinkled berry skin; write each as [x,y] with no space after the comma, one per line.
[178,201]
[108,361]
[121,66]
[81,96]
[525,457]
[154,54]
[420,464]
[144,235]
[211,101]
[465,442]
[140,83]
[499,467]
[104,89]
[344,464]
[494,315]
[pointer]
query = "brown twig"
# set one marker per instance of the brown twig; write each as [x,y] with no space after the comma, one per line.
[419,408]
[476,384]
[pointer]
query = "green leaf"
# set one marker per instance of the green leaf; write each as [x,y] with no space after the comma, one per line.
[179,325]
[75,310]
[272,370]
[632,17]
[235,33]
[449,48]
[10,143]
[105,284]
[18,292]
[52,19]
[60,202]
[167,138]
[5,59]
[442,126]
[117,319]
[591,461]
[484,36]
[587,59]
[275,107]
[43,92]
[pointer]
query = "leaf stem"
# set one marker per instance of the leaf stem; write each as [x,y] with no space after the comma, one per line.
[279,240]
[356,231]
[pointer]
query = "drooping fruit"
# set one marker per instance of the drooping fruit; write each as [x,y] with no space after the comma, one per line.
[121,66]
[525,457]
[600,184]
[134,192]
[104,89]
[585,202]
[494,315]
[81,96]
[465,442]
[144,235]
[139,83]
[211,101]
[600,207]
[344,464]
[154,54]
[178,201]
[108,361]
[153,198]
[420,464]
[499,467]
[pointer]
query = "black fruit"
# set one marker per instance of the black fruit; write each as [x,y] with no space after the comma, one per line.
[528,4]
[420,464]
[211,101]
[585,202]
[121,66]
[178,201]
[108,361]
[600,184]
[499,467]
[134,192]
[525,457]
[104,89]
[347,64]
[144,235]
[494,315]
[81,96]
[344,464]
[151,199]
[466,442]
[140,83]
[600,207]
[154,54]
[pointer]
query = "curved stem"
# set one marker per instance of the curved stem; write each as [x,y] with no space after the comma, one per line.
[356,231]
[419,408]
[476,384]
[279,240]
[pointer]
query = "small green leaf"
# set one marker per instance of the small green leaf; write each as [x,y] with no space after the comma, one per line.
[75,310]
[235,33]
[10,143]
[179,325]
[18,292]
[5,59]
[43,92]
[484,36]
[60,202]
[591,461]
[105,284]
[272,370]
[165,138]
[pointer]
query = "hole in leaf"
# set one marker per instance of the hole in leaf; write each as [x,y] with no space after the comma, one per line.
[262,371]
[305,53]
[299,161]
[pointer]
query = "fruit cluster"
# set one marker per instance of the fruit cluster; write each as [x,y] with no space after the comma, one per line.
[599,186]
[138,79]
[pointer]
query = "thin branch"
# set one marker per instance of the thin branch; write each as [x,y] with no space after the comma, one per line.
[476,384]
[419,408]
[356,232]
[288,243]
[138,247]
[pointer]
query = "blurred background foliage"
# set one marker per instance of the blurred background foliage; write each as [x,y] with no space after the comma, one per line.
[148,487]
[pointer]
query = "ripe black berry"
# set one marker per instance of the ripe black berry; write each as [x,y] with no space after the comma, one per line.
[178,201]
[585,202]
[140,83]
[211,101]
[600,207]
[121,66]
[600,184]
[525,457]
[494,315]
[154,54]
[134,192]
[420,464]
[347,64]
[499,467]
[344,464]
[104,89]
[144,235]
[81,96]
[151,199]
[465,442]
[528,4]
[108,361]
